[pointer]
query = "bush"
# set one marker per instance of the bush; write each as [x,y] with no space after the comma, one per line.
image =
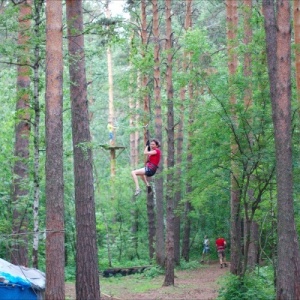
[70,273]
[255,285]
[191,265]
[153,272]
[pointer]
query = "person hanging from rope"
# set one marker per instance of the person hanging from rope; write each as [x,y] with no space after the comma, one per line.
[153,157]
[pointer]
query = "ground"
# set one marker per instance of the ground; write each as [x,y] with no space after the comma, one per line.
[199,284]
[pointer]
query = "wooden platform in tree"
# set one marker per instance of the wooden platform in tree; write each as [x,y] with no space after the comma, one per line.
[109,147]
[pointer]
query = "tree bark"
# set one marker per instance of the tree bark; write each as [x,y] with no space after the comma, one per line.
[179,148]
[133,157]
[253,245]
[160,227]
[36,137]
[55,261]
[87,275]
[288,283]
[19,253]
[169,275]
[232,22]
[288,269]
[146,99]
[297,44]
[250,236]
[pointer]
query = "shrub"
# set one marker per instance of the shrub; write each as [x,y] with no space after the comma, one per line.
[255,285]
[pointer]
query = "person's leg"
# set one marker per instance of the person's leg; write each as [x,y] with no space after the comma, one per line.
[144,178]
[207,256]
[224,259]
[220,258]
[203,254]
[135,174]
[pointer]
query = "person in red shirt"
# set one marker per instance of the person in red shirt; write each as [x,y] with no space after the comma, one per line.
[153,153]
[221,245]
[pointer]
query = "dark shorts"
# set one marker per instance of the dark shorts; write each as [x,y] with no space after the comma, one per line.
[221,253]
[149,172]
[205,250]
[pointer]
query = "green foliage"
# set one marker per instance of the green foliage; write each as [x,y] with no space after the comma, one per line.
[70,273]
[153,272]
[191,265]
[255,285]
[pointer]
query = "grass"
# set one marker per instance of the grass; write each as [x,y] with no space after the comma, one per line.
[115,286]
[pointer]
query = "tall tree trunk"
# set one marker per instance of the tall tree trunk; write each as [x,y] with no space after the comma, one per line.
[87,275]
[179,148]
[253,245]
[247,56]
[111,113]
[19,253]
[145,93]
[288,283]
[288,269]
[55,260]
[296,23]
[169,276]
[160,227]
[133,156]
[36,137]
[185,252]
[249,235]
[232,22]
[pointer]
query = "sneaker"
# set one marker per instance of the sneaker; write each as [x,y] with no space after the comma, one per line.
[137,192]
[149,189]
[225,265]
[221,266]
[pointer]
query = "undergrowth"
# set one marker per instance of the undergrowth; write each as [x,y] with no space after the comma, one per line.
[255,285]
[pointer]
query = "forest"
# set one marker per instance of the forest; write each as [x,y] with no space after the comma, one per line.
[87,83]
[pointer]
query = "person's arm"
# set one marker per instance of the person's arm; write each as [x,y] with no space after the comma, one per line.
[151,152]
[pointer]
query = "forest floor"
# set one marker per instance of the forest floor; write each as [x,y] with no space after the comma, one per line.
[196,284]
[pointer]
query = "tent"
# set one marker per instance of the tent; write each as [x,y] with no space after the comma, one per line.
[20,283]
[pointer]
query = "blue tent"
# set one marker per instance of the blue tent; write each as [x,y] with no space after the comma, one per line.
[20,283]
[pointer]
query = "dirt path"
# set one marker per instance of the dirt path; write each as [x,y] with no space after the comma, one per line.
[200,284]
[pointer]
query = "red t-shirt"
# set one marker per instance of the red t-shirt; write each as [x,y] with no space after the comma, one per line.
[220,243]
[155,158]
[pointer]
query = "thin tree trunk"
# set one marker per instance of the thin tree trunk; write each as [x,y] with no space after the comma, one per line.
[87,274]
[185,252]
[55,260]
[179,148]
[19,253]
[160,227]
[36,137]
[253,245]
[133,160]
[169,276]
[249,235]
[145,93]
[232,21]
